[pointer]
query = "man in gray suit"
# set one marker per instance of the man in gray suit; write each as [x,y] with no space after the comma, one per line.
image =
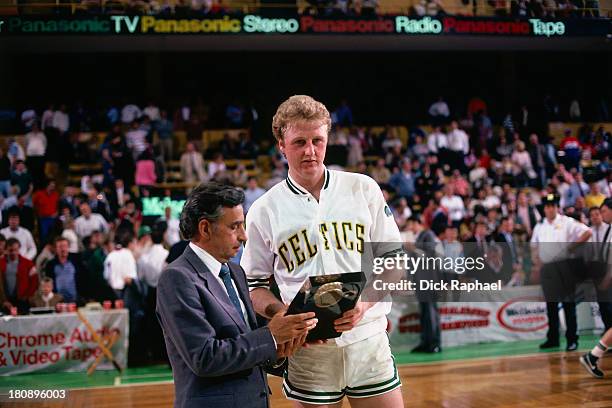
[215,346]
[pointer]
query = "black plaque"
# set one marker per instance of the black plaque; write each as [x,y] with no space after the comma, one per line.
[329,296]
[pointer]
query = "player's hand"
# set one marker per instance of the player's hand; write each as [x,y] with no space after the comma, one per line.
[350,318]
[286,328]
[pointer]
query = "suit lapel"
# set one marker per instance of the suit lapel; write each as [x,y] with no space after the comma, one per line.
[214,287]
[243,292]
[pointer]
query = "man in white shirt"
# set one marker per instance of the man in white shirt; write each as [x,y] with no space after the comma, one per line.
[36,146]
[454,204]
[120,265]
[437,141]
[152,111]
[89,222]
[294,232]
[598,258]
[172,235]
[28,246]
[136,139]
[439,110]
[61,120]
[458,146]
[553,241]
[130,113]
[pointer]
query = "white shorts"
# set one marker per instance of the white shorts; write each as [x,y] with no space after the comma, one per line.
[324,374]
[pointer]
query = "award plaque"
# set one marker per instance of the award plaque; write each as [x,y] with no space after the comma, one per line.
[329,296]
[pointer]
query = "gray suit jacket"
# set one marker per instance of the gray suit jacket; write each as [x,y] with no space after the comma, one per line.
[216,359]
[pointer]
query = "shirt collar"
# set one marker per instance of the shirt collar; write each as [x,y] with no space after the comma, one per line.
[211,263]
[553,221]
[297,189]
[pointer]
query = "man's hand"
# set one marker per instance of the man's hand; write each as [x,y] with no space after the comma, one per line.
[287,328]
[291,347]
[7,305]
[350,318]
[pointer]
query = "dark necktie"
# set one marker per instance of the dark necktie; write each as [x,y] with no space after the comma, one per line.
[227,281]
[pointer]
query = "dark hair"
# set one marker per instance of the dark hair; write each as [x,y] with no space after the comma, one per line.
[607,202]
[206,201]
[594,209]
[12,241]
[2,238]
[124,236]
[157,235]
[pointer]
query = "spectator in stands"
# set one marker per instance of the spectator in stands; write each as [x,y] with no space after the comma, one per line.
[36,146]
[420,149]
[343,115]
[229,145]
[404,180]
[14,230]
[170,225]
[2,245]
[234,115]
[458,146]
[438,111]
[192,165]
[5,174]
[145,171]
[523,168]
[46,203]
[136,139]
[46,121]
[216,165]
[150,265]
[454,204]
[437,142]
[527,215]
[15,151]
[380,172]
[45,255]
[401,213]
[152,112]
[572,150]
[88,222]
[98,202]
[130,217]
[503,148]
[247,148]
[251,193]
[69,200]
[120,265]
[130,113]
[165,134]
[61,121]
[19,278]
[45,297]
[194,129]
[21,178]
[461,186]
[94,256]
[68,273]
[28,118]
[510,255]
[595,198]
[451,246]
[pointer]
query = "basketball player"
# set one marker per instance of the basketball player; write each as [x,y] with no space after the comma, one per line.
[589,360]
[317,222]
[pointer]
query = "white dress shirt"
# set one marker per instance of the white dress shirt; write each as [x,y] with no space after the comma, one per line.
[151,263]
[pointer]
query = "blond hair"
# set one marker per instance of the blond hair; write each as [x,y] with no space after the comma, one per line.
[299,108]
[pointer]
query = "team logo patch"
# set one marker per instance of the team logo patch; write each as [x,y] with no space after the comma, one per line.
[387,211]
